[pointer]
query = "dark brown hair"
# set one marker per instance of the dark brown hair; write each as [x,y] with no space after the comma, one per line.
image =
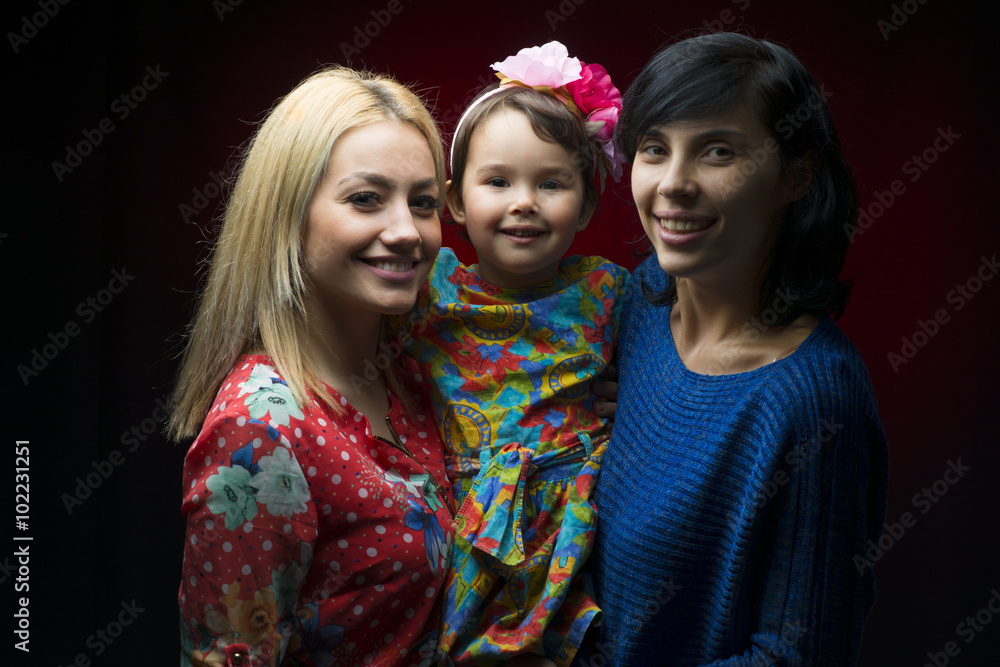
[710,74]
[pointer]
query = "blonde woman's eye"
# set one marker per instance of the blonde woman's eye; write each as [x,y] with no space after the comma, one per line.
[364,199]
[426,204]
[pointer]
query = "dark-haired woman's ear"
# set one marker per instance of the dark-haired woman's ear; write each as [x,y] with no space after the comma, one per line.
[454,202]
[803,174]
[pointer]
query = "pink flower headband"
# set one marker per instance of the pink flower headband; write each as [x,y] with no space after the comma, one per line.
[586,90]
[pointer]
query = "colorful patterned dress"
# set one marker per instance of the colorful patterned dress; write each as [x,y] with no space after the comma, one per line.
[511,373]
[310,541]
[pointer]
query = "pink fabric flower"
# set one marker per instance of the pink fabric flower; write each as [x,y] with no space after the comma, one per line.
[612,163]
[609,117]
[546,65]
[594,90]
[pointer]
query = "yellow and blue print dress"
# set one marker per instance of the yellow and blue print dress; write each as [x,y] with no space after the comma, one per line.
[510,372]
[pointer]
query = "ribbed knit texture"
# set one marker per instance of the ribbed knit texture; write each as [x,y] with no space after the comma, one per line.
[732,507]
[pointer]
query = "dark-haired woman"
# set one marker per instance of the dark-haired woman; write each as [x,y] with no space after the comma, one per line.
[747,467]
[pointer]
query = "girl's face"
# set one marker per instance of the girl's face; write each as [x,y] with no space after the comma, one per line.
[522,201]
[372,230]
[712,194]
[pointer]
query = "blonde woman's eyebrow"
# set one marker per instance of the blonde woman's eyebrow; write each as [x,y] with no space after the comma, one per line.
[425,183]
[369,177]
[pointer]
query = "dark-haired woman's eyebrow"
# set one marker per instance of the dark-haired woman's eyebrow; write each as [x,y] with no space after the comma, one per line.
[654,133]
[722,133]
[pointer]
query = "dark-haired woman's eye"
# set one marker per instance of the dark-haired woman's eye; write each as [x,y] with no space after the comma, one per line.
[653,150]
[720,153]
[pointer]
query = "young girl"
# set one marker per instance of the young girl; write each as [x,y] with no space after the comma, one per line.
[511,345]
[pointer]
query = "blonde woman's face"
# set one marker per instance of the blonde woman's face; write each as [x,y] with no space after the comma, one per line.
[372,230]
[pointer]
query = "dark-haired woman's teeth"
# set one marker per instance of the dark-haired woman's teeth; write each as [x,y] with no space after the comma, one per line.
[683,225]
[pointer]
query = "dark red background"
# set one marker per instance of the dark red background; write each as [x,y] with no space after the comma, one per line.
[120,208]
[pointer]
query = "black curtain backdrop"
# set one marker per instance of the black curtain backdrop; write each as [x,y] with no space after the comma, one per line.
[124,118]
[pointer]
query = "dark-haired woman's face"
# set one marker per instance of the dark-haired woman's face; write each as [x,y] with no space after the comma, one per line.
[711,194]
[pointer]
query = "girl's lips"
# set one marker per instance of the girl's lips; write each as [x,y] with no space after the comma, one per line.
[521,235]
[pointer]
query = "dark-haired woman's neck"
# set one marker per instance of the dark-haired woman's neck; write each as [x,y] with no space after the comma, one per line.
[719,328]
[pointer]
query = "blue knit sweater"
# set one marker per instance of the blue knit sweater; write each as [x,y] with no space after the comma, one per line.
[732,507]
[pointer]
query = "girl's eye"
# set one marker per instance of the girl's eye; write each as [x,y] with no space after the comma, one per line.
[497,183]
[425,205]
[551,185]
[364,199]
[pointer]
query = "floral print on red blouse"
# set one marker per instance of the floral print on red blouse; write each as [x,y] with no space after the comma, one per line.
[310,540]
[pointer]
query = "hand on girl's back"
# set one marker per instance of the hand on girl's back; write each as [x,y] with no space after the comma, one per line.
[605,387]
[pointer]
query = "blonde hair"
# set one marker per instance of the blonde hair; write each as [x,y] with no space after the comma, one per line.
[255,289]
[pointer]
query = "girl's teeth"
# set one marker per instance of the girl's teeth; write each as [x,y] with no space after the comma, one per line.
[397,267]
[683,226]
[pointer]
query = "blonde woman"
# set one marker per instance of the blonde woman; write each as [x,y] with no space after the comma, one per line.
[318,512]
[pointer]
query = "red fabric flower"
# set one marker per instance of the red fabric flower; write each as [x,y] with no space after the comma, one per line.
[594,90]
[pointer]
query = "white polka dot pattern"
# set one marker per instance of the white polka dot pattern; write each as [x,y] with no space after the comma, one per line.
[309,518]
